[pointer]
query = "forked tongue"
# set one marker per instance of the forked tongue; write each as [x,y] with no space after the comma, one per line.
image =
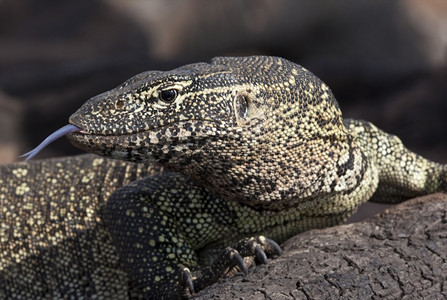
[51,138]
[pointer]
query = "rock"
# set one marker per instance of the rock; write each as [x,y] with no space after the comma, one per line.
[400,253]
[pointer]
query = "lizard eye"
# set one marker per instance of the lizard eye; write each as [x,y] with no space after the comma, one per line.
[168,96]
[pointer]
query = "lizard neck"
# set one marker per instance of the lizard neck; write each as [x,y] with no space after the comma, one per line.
[272,176]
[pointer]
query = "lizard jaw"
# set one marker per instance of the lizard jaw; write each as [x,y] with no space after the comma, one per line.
[143,146]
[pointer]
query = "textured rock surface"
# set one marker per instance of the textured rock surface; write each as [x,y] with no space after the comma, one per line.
[399,254]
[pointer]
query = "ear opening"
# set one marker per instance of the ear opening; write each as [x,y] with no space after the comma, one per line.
[243,105]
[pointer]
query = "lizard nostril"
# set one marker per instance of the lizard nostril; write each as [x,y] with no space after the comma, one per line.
[119,104]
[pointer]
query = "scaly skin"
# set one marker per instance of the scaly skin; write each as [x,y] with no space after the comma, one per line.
[260,148]
[53,243]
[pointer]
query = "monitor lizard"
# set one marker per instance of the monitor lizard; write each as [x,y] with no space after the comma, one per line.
[215,162]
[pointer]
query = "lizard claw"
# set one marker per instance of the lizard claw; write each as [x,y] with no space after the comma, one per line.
[260,247]
[229,262]
[239,261]
[260,255]
[275,247]
[186,280]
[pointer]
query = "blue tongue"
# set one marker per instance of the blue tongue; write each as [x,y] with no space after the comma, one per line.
[51,138]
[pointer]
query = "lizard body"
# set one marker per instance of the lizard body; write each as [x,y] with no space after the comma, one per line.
[260,147]
[52,241]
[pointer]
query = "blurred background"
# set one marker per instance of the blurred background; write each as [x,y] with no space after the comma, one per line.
[386,61]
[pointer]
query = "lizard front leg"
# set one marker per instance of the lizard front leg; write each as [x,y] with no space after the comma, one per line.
[161,226]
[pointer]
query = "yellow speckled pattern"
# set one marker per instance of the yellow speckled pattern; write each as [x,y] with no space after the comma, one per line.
[256,146]
[52,240]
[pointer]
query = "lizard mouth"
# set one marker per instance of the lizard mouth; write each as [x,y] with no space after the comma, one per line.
[148,145]
[74,131]
[96,133]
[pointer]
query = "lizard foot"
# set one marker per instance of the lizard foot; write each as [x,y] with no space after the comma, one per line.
[230,261]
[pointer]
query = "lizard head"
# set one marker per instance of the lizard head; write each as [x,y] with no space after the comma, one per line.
[163,116]
[234,125]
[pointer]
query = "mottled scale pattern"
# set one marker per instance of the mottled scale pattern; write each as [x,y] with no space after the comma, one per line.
[255,146]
